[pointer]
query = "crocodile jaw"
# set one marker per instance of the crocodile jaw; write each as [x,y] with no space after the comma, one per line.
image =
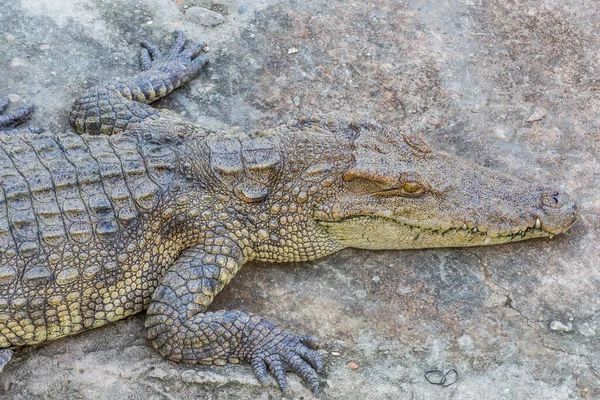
[378,233]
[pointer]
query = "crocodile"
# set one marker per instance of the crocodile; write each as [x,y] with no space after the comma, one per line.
[143,209]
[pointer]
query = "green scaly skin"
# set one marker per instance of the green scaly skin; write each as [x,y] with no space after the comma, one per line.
[145,209]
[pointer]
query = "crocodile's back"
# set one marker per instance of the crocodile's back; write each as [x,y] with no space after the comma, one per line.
[75,241]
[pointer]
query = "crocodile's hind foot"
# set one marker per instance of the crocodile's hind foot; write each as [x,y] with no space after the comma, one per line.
[10,120]
[273,349]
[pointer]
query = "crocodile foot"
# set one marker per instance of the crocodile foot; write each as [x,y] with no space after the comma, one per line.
[9,120]
[151,56]
[279,351]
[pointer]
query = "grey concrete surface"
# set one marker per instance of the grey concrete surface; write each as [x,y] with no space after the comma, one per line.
[510,84]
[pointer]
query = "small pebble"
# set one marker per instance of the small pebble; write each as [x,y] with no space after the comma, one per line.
[336,353]
[44,47]
[297,100]
[158,373]
[242,9]
[293,50]
[17,62]
[538,114]
[376,278]
[558,326]
[10,37]
[352,366]
[204,16]
[14,97]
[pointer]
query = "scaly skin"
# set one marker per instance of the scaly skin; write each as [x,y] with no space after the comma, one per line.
[147,210]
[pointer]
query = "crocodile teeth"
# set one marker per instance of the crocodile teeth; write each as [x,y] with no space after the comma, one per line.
[538,224]
[474,230]
[522,233]
[464,226]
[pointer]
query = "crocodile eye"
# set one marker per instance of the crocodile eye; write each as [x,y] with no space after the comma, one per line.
[412,187]
[407,189]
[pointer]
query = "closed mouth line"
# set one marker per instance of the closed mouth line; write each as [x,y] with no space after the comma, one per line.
[475,231]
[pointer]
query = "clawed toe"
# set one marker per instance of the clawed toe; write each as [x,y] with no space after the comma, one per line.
[194,50]
[303,369]
[312,357]
[145,59]
[154,52]
[277,368]
[8,121]
[179,43]
[311,342]
[15,118]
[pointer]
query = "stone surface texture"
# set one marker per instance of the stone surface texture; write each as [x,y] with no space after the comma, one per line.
[511,85]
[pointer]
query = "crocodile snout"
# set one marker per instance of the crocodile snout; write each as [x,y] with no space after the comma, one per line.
[559,210]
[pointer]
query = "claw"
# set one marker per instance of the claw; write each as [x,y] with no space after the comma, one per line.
[198,63]
[260,370]
[179,43]
[196,49]
[145,60]
[17,117]
[20,115]
[302,368]
[311,342]
[312,357]
[152,50]
[278,370]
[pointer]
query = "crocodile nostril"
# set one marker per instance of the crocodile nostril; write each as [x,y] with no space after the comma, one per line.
[552,199]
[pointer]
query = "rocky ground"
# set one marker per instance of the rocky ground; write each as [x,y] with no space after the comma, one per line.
[510,84]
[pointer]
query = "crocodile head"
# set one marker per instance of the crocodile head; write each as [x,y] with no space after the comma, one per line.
[400,194]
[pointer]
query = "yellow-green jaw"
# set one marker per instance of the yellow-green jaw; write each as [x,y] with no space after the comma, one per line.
[378,233]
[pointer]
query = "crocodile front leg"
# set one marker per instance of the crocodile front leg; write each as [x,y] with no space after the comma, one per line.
[116,107]
[181,330]
[8,121]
